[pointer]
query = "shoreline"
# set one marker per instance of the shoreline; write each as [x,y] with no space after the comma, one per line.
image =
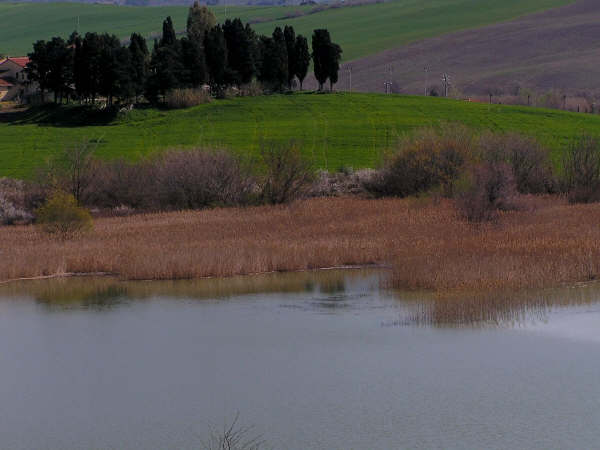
[252,274]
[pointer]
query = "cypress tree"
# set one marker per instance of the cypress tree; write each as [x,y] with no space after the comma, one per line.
[333,63]
[169,38]
[302,59]
[240,55]
[140,60]
[280,61]
[115,79]
[321,53]
[60,75]
[200,20]
[194,63]
[38,68]
[216,58]
[290,43]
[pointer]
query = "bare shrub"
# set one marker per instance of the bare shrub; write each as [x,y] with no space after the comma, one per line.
[486,189]
[234,437]
[13,209]
[252,89]
[121,183]
[61,216]
[432,158]
[346,182]
[582,170]
[286,175]
[71,170]
[199,178]
[528,159]
[186,98]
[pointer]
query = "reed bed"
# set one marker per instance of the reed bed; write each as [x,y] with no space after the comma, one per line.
[429,247]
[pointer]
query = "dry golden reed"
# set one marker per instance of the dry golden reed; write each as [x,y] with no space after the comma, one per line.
[426,243]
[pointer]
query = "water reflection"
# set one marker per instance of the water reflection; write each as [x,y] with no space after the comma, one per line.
[494,308]
[326,292]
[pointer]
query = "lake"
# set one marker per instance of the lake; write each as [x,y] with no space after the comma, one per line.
[314,360]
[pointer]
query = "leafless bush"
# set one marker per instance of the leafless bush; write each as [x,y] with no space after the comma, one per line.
[346,182]
[286,175]
[528,159]
[13,208]
[121,183]
[582,170]
[186,98]
[234,437]
[72,170]
[198,178]
[252,89]
[484,190]
[430,159]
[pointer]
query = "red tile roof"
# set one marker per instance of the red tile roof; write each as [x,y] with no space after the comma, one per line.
[21,60]
[4,83]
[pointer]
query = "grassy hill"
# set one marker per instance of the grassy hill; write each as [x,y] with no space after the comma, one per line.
[361,30]
[334,130]
[553,49]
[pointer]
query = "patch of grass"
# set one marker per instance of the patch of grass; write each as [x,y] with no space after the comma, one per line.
[360,30]
[331,130]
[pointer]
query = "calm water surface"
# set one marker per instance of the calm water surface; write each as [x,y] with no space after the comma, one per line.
[321,360]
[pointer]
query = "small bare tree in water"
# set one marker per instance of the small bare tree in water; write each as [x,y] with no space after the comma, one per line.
[234,437]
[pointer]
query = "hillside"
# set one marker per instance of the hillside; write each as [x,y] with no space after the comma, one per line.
[360,30]
[333,130]
[555,49]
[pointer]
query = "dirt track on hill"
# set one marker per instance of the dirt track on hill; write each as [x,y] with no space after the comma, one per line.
[555,49]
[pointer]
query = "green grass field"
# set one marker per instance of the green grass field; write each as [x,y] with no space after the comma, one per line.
[333,130]
[360,30]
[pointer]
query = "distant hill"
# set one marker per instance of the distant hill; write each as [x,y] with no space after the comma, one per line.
[361,30]
[555,49]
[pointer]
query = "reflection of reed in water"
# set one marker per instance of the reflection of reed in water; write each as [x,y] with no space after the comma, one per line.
[98,293]
[493,308]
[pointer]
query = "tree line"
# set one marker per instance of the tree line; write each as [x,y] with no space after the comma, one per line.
[219,55]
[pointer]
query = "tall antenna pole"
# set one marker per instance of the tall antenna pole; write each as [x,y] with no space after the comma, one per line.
[349,70]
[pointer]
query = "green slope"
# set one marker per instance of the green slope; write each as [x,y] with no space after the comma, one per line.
[360,30]
[333,130]
[372,28]
[24,23]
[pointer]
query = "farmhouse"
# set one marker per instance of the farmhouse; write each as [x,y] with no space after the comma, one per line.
[13,79]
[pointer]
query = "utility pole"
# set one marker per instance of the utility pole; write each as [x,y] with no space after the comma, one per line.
[388,83]
[446,80]
[349,70]
[426,70]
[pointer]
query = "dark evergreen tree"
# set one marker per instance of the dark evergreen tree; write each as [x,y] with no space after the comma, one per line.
[302,60]
[166,64]
[38,69]
[273,66]
[200,20]
[61,67]
[333,63]
[240,58]
[140,60]
[321,53]
[169,38]
[216,58]
[194,63]
[290,43]
[88,66]
[165,72]
[115,71]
